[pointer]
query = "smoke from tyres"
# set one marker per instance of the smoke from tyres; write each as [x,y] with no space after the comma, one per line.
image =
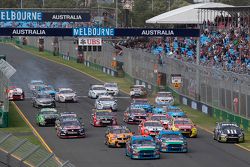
[15,15]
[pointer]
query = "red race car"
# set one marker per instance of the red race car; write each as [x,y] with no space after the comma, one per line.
[150,127]
[15,93]
[185,126]
[164,119]
[103,118]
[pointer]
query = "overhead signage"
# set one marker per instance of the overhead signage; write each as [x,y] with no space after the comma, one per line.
[33,15]
[90,41]
[97,32]
[93,31]
[176,80]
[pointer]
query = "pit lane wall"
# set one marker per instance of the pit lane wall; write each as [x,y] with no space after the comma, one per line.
[220,94]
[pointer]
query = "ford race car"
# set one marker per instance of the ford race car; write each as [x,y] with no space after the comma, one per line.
[150,127]
[142,103]
[70,129]
[112,88]
[138,91]
[15,93]
[134,115]
[34,83]
[66,116]
[142,147]
[171,141]
[47,116]
[164,119]
[175,112]
[117,136]
[185,126]
[48,89]
[164,98]
[159,110]
[228,132]
[42,100]
[106,102]
[65,94]
[103,118]
[97,90]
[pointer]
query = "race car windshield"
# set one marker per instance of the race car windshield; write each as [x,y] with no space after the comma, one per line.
[66,91]
[99,88]
[164,94]
[152,124]
[70,123]
[230,128]
[48,112]
[171,136]
[143,142]
[140,101]
[119,131]
[68,117]
[182,122]
[158,118]
[44,96]
[105,99]
[104,114]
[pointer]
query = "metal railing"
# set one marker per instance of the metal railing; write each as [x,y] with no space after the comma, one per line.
[15,152]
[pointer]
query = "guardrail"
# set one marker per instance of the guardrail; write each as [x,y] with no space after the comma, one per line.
[15,152]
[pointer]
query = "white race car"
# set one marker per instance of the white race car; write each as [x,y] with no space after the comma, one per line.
[65,94]
[106,102]
[15,93]
[112,88]
[97,90]
[35,83]
[164,98]
[138,91]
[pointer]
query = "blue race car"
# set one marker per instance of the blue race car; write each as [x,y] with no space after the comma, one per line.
[159,110]
[48,89]
[175,112]
[171,141]
[142,147]
[142,103]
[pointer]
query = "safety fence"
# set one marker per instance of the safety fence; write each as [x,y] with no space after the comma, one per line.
[4,101]
[15,152]
[225,91]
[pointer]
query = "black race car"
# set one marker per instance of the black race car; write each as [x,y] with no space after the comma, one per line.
[134,115]
[228,132]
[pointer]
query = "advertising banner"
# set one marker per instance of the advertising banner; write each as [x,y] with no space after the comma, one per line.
[90,41]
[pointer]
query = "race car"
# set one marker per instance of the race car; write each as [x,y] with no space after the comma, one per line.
[112,88]
[34,83]
[65,94]
[47,116]
[138,91]
[171,141]
[97,90]
[15,93]
[164,98]
[142,147]
[228,132]
[65,116]
[134,115]
[142,103]
[149,127]
[106,102]
[48,89]
[117,136]
[103,118]
[185,126]
[164,119]
[159,110]
[42,100]
[70,129]
[175,112]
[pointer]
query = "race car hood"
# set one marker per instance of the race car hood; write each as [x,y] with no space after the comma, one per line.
[71,127]
[172,140]
[44,100]
[180,126]
[141,147]
[16,90]
[112,88]
[154,128]
[105,117]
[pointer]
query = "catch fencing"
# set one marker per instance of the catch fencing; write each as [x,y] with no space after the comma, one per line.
[224,90]
[15,152]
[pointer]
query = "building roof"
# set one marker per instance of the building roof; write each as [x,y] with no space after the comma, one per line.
[184,15]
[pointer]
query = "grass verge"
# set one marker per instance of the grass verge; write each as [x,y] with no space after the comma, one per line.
[18,127]
[202,120]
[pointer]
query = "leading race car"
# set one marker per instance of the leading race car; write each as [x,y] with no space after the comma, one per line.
[112,88]
[142,147]
[134,115]
[175,112]
[66,116]
[97,90]
[34,83]
[42,100]
[185,126]
[103,118]
[150,127]
[65,95]
[15,93]
[70,129]
[228,132]
[164,98]
[142,103]
[164,119]
[47,116]
[171,141]
[48,89]
[106,102]
[117,136]
[138,91]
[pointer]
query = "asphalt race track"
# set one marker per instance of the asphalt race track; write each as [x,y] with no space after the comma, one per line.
[91,151]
